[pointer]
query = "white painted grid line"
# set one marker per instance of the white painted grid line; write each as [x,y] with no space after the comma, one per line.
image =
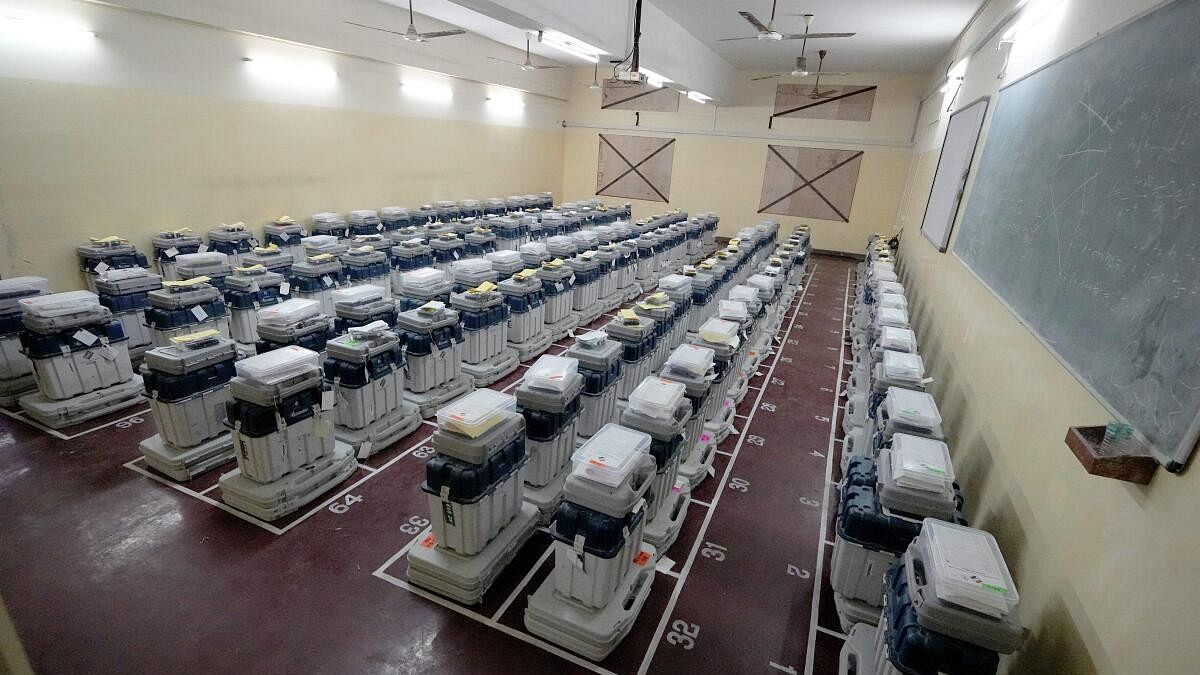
[524,582]
[132,466]
[809,654]
[697,502]
[35,424]
[832,633]
[687,566]
[108,424]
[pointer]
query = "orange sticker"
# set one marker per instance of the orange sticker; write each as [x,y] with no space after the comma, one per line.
[429,542]
[641,558]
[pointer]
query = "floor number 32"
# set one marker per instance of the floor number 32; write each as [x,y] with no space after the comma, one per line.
[683,634]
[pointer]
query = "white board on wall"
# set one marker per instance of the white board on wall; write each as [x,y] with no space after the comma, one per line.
[962,134]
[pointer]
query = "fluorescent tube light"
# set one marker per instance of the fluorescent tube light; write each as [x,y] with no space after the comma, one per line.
[43,31]
[654,79]
[698,97]
[437,92]
[573,46]
[305,74]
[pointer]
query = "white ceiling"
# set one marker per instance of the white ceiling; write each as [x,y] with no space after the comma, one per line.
[899,36]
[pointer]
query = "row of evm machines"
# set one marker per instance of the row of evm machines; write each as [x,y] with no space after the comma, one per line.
[602,443]
[917,591]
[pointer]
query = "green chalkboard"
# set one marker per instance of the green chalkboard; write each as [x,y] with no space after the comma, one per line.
[1084,218]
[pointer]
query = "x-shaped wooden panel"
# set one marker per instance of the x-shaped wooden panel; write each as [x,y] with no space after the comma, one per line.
[635,167]
[791,176]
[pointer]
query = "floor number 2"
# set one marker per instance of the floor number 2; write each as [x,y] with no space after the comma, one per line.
[683,634]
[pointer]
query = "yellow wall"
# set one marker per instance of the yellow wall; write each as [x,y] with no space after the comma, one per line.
[85,161]
[720,153]
[1108,572]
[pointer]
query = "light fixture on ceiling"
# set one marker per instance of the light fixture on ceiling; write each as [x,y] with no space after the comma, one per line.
[504,102]
[654,79]
[43,31]
[699,97]
[435,92]
[573,46]
[294,73]
[1032,12]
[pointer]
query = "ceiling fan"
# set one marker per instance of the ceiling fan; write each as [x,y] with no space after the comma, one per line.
[412,34]
[528,65]
[768,32]
[801,69]
[816,93]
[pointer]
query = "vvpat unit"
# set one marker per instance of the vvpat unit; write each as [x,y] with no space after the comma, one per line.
[363,221]
[319,244]
[558,289]
[602,569]
[296,322]
[285,233]
[181,307]
[505,263]
[409,255]
[722,337]
[694,367]
[661,310]
[394,218]
[548,397]
[170,243]
[600,366]
[678,288]
[585,298]
[365,371]
[480,241]
[283,437]
[248,290]
[471,272]
[16,373]
[474,489]
[433,344]
[704,304]
[232,240]
[661,409]
[126,293]
[420,286]
[447,247]
[102,254]
[187,383]
[209,264]
[361,305]
[511,233]
[533,254]
[637,337]
[79,359]
[527,332]
[365,266]
[272,258]
[610,259]
[330,224]
[486,356]
[315,278]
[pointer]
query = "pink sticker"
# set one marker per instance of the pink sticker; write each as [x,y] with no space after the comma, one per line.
[726,403]
[704,438]
[676,489]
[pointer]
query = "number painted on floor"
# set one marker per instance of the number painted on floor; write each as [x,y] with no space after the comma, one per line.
[683,634]
[713,551]
[126,423]
[833,349]
[799,313]
[769,407]
[739,485]
[793,342]
[790,670]
[779,381]
[785,359]
[827,389]
[345,504]
[415,525]
[808,501]
[818,453]
[830,366]
[835,331]
[423,452]
[794,571]
[755,440]
[821,418]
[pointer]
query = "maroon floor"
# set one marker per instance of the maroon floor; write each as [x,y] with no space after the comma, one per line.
[107,568]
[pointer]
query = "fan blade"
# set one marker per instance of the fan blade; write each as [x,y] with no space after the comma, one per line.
[511,63]
[442,33]
[384,30]
[754,37]
[813,36]
[753,21]
[765,77]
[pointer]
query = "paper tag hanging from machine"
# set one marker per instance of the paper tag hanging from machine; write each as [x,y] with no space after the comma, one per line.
[199,313]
